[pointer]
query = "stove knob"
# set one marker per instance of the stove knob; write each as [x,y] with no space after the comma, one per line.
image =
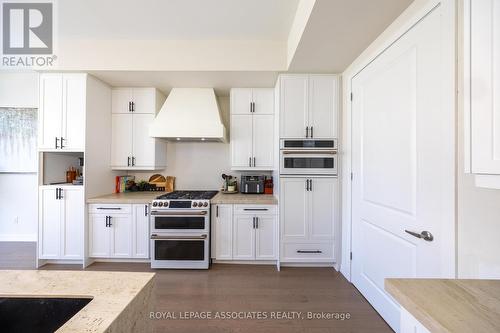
[165,204]
[200,204]
[155,204]
[195,204]
[205,204]
[160,203]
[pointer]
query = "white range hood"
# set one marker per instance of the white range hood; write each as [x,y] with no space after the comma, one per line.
[189,114]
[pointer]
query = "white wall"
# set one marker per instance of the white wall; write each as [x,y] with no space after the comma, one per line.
[18,191]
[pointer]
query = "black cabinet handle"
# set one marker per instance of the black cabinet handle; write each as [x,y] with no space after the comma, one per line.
[57,194]
[217,211]
[129,106]
[62,140]
[108,208]
[57,142]
[145,210]
[128,161]
[133,161]
[256,223]
[133,106]
[307,131]
[109,223]
[255,209]
[310,184]
[309,251]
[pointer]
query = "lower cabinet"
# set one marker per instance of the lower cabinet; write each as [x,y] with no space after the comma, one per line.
[118,231]
[410,324]
[245,232]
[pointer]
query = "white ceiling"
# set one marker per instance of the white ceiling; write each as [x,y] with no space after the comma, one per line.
[176,19]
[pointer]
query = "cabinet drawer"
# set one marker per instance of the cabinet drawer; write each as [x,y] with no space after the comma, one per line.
[110,209]
[255,209]
[314,252]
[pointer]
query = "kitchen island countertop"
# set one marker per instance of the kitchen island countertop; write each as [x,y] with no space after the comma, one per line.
[242,199]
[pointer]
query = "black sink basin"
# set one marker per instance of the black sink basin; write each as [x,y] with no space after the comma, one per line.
[37,314]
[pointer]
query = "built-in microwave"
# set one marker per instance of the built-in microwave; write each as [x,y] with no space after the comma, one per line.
[307,162]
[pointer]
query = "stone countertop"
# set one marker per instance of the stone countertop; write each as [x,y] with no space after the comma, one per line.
[117,297]
[444,305]
[126,198]
[239,198]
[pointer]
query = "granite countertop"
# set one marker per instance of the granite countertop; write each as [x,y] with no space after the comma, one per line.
[239,198]
[126,198]
[117,297]
[444,305]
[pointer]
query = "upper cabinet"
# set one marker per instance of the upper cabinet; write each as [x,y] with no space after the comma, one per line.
[62,99]
[308,106]
[252,129]
[482,96]
[133,110]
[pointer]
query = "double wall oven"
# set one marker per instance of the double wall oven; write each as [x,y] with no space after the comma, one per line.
[180,230]
[308,157]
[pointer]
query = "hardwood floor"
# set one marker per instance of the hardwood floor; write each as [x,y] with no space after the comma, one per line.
[240,289]
[17,255]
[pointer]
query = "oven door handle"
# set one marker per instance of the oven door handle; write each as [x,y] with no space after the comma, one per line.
[309,152]
[160,213]
[155,236]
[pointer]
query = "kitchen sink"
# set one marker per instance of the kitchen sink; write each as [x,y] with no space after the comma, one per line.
[37,314]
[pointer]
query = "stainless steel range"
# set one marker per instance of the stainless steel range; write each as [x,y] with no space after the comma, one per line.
[180,230]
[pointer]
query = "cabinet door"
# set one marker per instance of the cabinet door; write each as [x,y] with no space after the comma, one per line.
[49,236]
[265,238]
[224,232]
[243,238]
[72,233]
[121,140]
[143,145]
[121,236]
[120,99]
[241,99]
[323,106]
[99,236]
[263,99]
[294,201]
[293,106]
[140,231]
[241,141]
[263,141]
[322,213]
[74,106]
[51,110]
[144,100]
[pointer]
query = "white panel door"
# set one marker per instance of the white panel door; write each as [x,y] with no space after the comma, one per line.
[243,237]
[224,232]
[121,236]
[51,110]
[293,106]
[99,236]
[72,226]
[144,100]
[294,203]
[265,238]
[323,106]
[49,236]
[140,232]
[74,107]
[263,99]
[403,165]
[322,214]
[121,139]
[241,141]
[120,100]
[241,99]
[485,89]
[143,145]
[263,139]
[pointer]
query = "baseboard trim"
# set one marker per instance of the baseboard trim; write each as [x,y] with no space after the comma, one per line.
[131,260]
[245,262]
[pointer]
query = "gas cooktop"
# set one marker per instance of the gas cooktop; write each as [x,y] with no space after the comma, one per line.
[188,195]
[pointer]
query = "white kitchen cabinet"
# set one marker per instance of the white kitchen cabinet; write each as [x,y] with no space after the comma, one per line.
[410,324]
[481,95]
[131,146]
[308,106]
[308,216]
[119,231]
[265,237]
[243,237]
[60,222]
[252,129]
[62,99]
[223,232]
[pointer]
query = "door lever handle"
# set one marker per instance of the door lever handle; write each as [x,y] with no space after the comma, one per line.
[425,235]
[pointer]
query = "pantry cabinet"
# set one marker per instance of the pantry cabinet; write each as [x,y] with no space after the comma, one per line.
[245,232]
[252,129]
[308,106]
[62,100]
[118,231]
[308,215]
[61,222]
[132,148]
[481,97]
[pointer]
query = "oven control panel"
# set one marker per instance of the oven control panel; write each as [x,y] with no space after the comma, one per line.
[181,204]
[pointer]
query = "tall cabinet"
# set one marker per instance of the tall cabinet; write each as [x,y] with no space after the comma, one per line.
[252,129]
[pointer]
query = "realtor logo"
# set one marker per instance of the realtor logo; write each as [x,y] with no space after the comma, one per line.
[27,28]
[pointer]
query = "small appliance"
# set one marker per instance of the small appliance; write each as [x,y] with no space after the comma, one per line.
[252,184]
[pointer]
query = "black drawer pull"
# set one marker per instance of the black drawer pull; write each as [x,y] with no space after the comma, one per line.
[309,251]
[255,209]
[108,208]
